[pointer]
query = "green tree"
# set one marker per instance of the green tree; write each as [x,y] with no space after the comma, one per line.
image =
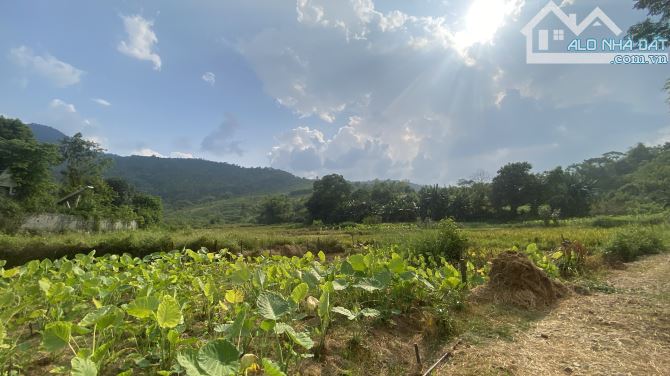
[28,161]
[149,208]
[84,161]
[514,186]
[123,191]
[657,24]
[329,196]
[275,209]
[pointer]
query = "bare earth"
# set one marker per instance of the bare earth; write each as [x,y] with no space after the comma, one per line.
[621,333]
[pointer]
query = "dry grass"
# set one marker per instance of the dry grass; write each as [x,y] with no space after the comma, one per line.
[625,333]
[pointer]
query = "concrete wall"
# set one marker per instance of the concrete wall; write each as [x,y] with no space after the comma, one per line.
[47,222]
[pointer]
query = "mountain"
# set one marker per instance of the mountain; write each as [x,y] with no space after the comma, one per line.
[44,133]
[183,182]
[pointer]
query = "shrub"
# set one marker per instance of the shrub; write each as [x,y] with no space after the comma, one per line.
[630,243]
[449,241]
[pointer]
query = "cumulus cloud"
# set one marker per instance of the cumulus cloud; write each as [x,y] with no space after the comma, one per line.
[58,72]
[59,104]
[141,40]
[221,141]
[147,152]
[101,102]
[209,77]
[420,107]
[66,117]
[179,154]
[357,155]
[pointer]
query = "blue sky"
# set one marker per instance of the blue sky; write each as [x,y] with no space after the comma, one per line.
[425,90]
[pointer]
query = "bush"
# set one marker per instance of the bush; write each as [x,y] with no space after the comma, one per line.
[449,241]
[630,243]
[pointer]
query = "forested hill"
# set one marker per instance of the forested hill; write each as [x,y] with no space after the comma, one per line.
[197,180]
[185,181]
[44,133]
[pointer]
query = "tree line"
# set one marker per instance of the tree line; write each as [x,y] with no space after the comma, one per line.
[615,183]
[44,172]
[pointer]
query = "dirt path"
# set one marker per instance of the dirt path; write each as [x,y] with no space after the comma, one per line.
[621,333]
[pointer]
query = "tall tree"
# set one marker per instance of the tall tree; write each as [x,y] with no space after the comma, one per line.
[328,198]
[28,161]
[84,161]
[514,186]
[657,24]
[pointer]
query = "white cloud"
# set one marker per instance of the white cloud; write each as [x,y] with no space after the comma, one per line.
[209,77]
[58,72]
[59,104]
[141,40]
[147,152]
[101,102]
[179,154]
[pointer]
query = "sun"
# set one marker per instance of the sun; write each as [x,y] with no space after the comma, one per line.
[482,21]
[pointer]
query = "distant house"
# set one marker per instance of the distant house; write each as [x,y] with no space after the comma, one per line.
[7,183]
[72,199]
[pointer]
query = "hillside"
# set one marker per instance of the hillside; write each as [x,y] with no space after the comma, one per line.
[183,182]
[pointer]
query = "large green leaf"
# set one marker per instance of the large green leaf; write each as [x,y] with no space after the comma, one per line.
[369,284]
[271,369]
[83,367]
[56,335]
[103,317]
[299,292]
[272,306]
[168,314]
[300,338]
[343,311]
[219,358]
[357,262]
[143,307]
[189,361]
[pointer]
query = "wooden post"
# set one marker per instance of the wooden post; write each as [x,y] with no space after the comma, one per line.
[416,353]
[464,271]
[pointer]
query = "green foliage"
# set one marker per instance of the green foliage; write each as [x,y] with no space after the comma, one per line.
[449,241]
[328,199]
[84,161]
[514,186]
[275,209]
[630,243]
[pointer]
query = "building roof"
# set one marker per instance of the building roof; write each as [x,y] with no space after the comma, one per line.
[6,180]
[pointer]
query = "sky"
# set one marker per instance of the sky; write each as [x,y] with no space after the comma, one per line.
[425,90]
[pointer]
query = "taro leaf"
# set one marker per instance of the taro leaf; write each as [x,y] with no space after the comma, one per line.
[272,306]
[189,361]
[103,317]
[322,257]
[299,293]
[219,358]
[343,311]
[300,338]
[357,262]
[83,367]
[370,312]
[236,329]
[56,335]
[168,314]
[340,284]
[234,296]
[143,307]
[368,284]
[271,369]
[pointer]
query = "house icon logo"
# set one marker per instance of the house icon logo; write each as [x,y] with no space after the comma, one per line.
[554,37]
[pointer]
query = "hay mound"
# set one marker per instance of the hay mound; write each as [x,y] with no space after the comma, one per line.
[515,280]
